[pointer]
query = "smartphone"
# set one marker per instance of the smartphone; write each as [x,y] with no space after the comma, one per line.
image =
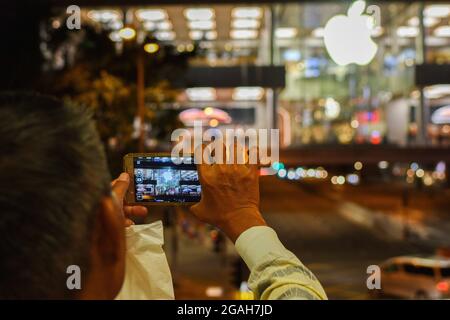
[161,179]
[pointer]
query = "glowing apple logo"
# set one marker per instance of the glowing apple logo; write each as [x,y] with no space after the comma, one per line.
[348,38]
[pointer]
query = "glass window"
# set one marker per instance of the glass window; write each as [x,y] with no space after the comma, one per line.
[346,82]
[419,270]
[445,272]
[391,268]
[336,95]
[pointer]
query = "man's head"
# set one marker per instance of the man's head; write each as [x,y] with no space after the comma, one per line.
[56,208]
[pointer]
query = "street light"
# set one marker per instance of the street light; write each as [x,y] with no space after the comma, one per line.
[151,47]
[127,33]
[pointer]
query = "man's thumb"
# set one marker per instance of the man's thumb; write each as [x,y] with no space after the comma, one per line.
[195,209]
[120,186]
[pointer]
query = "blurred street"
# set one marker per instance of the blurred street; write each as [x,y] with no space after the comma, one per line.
[337,231]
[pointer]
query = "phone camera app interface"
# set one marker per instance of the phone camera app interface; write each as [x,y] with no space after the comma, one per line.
[159,179]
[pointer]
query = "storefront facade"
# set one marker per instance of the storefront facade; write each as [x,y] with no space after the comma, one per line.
[349,67]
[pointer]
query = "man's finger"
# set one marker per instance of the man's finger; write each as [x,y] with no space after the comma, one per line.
[202,169]
[198,154]
[128,222]
[253,158]
[120,186]
[201,166]
[135,211]
[195,209]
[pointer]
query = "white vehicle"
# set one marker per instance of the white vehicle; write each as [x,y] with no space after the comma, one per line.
[416,277]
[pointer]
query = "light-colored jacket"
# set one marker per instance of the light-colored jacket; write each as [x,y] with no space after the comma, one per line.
[276,273]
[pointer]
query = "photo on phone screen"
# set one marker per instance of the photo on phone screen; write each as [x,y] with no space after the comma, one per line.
[158,179]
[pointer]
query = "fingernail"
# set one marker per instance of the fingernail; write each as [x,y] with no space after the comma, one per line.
[124,177]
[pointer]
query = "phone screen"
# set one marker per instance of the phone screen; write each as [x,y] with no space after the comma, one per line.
[159,179]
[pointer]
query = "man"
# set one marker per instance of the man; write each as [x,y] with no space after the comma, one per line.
[58,208]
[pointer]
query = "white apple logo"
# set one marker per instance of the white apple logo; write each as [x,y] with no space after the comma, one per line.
[348,38]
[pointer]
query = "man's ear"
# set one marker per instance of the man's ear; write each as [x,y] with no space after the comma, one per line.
[108,249]
[109,231]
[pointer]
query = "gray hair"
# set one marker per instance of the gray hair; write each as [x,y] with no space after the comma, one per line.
[53,173]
